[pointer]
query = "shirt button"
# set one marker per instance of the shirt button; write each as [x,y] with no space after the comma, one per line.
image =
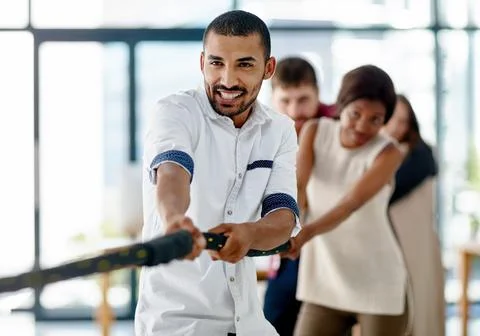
[229,212]
[238,318]
[240,175]
[232,279]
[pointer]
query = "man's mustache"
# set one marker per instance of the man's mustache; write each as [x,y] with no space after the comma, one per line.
[224,88]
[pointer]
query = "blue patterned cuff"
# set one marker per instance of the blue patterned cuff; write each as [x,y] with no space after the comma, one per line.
[279,201]
[175,156]
[260,164]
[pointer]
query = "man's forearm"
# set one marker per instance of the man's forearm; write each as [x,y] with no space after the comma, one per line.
[273,230]
[173,191]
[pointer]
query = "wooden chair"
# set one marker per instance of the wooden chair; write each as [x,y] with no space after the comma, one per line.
[467,253]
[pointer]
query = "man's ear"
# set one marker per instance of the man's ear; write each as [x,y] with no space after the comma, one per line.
[270,68]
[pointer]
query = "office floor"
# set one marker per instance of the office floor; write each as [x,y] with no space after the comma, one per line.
[24,325]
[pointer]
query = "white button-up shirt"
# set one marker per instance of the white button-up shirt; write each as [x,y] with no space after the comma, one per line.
[237,175]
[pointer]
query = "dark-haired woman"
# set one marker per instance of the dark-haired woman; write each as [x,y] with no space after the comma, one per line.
[352,269]
[412,214]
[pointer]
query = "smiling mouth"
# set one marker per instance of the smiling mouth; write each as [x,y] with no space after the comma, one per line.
[360,137]
[229,96]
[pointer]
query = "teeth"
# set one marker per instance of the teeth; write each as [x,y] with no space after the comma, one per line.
[228,95]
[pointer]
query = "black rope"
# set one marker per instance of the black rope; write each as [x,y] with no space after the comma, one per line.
[216,242]
[157,251]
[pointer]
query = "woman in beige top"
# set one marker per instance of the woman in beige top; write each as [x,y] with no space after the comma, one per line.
[412,213]
[352,269]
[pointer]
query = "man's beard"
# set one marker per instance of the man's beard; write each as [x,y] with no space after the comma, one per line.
[218,107]
[239,111]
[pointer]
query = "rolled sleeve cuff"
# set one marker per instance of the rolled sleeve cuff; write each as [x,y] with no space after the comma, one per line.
[180,158]
[279,201]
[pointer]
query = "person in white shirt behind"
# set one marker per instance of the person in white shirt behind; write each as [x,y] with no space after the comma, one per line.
[217,160]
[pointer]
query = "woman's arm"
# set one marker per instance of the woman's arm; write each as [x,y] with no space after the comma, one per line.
[305,158]
[375,178]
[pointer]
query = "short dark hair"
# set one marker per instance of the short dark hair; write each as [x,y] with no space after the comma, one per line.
[367,82]
[240,23]
[412,137]
[293,72]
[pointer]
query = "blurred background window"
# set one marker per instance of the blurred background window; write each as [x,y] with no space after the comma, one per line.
[77,78]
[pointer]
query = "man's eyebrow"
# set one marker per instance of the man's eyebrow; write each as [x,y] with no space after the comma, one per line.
[214,58]
[242,59]
[247,59]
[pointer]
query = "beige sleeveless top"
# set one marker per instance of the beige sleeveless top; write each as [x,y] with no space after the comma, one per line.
[358,266]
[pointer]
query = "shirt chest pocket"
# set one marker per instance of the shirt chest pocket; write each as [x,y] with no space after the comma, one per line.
[256,177]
